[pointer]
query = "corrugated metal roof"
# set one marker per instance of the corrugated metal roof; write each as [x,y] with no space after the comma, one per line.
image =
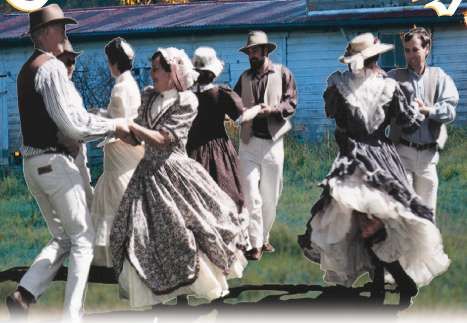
[220,16]
[164,17]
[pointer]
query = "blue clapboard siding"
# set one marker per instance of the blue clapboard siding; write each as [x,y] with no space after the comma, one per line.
[449,52]
[10,63]
[310,55]
[3,121]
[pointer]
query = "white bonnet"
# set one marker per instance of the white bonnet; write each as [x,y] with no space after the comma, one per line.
[182,68]
[205,58]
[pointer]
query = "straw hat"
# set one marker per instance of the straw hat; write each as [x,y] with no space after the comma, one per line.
[362,47]
[47,15]
[256,38]
[205,59]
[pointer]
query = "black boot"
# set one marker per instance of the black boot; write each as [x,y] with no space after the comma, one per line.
[18,303]
[406,285]
[377,290]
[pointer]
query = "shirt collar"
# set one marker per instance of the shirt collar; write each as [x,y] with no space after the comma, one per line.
[200,88]
[269,69]
[415,75]
[44,52]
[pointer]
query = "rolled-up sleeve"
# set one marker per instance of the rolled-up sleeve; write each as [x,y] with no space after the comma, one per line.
[288,104]
[444,109]
[52,83]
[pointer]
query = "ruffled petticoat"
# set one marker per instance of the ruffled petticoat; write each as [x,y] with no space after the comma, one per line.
[210,284]
[412,240]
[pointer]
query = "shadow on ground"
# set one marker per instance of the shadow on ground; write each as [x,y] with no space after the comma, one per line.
[280,302]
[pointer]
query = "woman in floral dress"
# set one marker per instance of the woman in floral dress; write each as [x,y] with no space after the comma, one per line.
[176,232]
[368,218]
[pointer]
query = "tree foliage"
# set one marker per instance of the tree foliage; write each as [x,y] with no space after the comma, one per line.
[67,4]
[146,2]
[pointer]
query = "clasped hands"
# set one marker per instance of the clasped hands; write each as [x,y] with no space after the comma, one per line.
[123,131]
[422,107]
[134,134]
[266,110]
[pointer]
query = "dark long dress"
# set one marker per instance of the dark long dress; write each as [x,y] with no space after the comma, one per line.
[209,144]
[367,176]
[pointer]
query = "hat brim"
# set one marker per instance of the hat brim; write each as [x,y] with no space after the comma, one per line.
[215,67]
[65,21]
[374,50]
[75,54]
[271,47]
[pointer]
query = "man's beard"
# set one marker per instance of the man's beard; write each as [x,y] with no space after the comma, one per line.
[257,63]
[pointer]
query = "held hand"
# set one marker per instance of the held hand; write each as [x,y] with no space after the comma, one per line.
[122,130]
[166,135]
[129,137]
[422,107]
[136,131]
[265,111]
[131,140]
[124,133]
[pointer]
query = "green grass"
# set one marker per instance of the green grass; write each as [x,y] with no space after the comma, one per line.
[24,233]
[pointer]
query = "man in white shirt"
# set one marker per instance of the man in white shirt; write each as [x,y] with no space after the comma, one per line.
[436,96]
[49,170]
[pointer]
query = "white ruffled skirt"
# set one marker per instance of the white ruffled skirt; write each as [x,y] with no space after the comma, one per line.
[413,241]
[120,161]
[210,284]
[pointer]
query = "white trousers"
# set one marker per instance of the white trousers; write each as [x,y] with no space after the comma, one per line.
[421,169]
[261,165]
[57,185]
[81,162]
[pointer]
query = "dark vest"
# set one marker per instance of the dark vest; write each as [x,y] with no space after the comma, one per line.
[38,129]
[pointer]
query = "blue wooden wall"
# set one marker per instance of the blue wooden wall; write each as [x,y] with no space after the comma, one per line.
[310,55]
[3,119]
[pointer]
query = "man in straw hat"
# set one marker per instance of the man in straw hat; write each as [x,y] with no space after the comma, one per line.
[50,173]
[435,94]
[261,148]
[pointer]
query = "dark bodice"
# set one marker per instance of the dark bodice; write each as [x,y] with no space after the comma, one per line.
[214,104]
[353,124]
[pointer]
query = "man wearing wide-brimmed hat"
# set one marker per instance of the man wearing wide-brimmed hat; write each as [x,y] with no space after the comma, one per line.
[261,147]
[52,177]
[436,96]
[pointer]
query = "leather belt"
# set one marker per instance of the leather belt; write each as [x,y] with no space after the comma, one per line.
[60,152]
[418,146]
